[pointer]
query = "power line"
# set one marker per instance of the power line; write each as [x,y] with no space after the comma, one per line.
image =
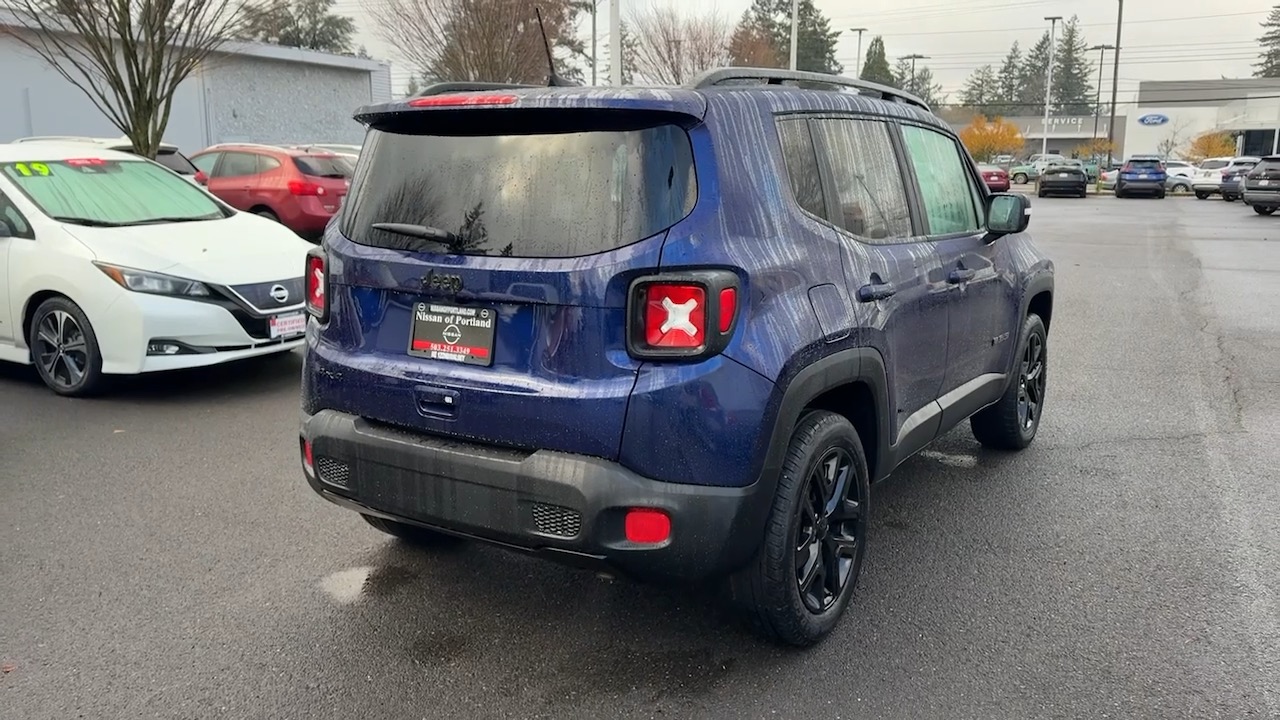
[1038,27]
[927,11]
[1162,103]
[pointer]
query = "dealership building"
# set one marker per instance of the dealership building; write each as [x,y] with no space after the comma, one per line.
[1248,109]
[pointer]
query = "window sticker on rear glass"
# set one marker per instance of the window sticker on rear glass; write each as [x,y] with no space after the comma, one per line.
[35,169]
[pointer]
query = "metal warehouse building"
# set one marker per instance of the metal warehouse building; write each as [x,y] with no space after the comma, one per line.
[246,93]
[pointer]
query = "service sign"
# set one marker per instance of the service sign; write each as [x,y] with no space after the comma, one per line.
[1153,119]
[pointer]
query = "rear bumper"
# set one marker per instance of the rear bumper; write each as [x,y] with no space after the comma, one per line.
[1141,186]
[1209,187]
[1262,198]
[568,507]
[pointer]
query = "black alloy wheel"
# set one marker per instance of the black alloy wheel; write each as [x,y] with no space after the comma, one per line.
[1031,382]
[829,528]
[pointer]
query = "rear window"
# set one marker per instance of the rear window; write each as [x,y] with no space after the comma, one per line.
[1267,168]
[546,194]
[330,166]
[1145,164]
[1213,164]
[176,162]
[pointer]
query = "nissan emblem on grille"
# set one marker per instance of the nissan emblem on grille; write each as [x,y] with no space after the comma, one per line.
[280,294]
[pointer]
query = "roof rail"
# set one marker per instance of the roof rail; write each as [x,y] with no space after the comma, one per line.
[55,138]
[774,76]
[467,86]
[248,144]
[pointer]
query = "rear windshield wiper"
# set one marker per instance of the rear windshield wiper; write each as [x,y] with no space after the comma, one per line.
[87,222]
[423,232]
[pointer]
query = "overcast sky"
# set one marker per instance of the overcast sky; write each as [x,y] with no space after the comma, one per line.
[1163,39]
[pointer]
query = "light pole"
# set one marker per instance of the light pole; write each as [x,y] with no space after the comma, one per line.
[615,43]
[1115,80]
[1097,101]
[595,7]
[1048,83]
[913,59]
[795,30]
[857,65]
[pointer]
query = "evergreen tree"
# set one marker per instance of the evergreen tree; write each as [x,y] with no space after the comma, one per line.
[753,46]
[982,89]
[1032,77]
[1072,73]
[1009,83]
[308,24]
[876,67]
[815,40]
[1268,64]
[920,83]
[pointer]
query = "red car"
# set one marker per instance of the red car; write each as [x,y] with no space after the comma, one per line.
[997,179]
[297,188]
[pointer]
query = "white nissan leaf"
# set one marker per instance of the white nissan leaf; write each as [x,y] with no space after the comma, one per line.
[114,265]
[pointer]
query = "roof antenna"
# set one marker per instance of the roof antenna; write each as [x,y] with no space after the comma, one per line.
[553,80]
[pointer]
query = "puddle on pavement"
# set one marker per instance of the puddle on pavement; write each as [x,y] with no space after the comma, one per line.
[349,586]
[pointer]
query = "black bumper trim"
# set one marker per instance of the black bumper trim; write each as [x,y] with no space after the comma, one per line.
[489,493]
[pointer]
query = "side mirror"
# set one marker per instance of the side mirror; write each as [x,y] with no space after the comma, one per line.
[201,178]
[1008,214]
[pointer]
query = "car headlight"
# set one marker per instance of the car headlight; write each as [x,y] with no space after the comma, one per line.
[154,283]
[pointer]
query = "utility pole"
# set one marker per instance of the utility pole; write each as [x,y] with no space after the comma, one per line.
[1097,101]
[795,30]
[1048,82]
[913,58]
[615,43]
[1115,81]
[857,66]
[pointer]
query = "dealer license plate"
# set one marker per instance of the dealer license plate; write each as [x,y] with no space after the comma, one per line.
[452,333]
[1264,182]
[1142,176]
[286,325]
[1062,175]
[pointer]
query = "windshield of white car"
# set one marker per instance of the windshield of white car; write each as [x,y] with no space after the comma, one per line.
[110,193]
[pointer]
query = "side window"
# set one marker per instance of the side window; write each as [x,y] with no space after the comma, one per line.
[12,217]
[867,179]
[802,166]
[206,163]
[942,174]
[235,164]
[266,164]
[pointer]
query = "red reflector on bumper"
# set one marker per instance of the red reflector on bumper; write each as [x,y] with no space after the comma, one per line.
[648,526]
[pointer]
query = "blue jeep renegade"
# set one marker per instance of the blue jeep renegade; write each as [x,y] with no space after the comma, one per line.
[675,332]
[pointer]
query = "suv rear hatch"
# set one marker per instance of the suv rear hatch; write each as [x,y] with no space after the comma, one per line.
[507,325]
[326,177]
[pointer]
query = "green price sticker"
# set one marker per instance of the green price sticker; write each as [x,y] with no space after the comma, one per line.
[35,169]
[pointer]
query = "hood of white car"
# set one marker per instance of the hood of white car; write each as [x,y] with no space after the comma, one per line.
[243,248]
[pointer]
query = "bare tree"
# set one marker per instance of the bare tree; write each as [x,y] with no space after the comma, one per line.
[478,40]
[127,56]
[1174,140]
[671,47]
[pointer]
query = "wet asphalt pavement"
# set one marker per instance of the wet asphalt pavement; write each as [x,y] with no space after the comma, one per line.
[161,556]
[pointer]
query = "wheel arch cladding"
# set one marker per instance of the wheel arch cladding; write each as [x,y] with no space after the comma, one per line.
[842,382]
[1041,304]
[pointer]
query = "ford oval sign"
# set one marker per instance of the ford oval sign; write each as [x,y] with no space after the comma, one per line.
[1153,119]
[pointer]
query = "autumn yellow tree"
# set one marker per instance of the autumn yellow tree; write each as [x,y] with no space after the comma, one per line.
[986,139]
[1096,148]
[1211,144]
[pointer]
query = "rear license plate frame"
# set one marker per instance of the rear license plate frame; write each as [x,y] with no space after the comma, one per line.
[452,333]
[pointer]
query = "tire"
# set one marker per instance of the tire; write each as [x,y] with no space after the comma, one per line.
[1160,195]
[1228,198]
[64,349]
[1039,193]
[1020,179]
[1263,210]
[824,455]
[412,534]
[1202,195]
[1119,193]
[1009,425]
[1181,188]
[1084,192]
[263,212]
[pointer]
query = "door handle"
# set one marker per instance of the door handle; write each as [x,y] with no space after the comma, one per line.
[876,291]
[960,275]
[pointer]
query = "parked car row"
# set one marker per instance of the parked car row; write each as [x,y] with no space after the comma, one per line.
[1260,186]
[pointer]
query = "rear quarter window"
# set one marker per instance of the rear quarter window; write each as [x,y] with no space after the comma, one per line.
[176,162]
[571,192]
